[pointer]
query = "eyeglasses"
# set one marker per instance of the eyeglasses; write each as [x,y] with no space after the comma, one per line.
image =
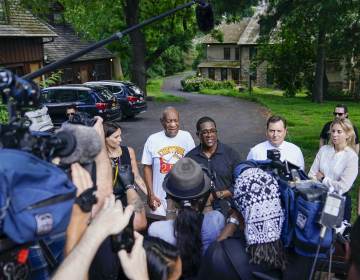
[338,114]
[208,132]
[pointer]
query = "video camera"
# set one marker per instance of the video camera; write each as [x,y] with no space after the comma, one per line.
[312,212]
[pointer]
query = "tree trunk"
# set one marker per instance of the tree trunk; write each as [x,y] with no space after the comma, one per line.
[138,44]
[318,89]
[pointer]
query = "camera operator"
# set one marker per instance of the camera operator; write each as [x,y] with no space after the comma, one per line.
[111,219]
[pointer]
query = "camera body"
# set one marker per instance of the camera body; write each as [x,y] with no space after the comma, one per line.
[82,118]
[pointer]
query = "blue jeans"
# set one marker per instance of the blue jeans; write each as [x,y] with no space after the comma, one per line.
[38,264]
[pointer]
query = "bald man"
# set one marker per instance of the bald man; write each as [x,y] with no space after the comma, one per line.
[161,151]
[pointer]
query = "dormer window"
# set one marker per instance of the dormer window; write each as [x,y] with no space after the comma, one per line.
[3,18]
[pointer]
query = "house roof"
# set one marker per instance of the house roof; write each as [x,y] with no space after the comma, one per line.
[69,42]
[21,23]
[231,32]
[219,64]
[251,33]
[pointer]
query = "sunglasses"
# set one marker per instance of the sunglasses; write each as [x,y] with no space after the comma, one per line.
[70,114]
[338,114]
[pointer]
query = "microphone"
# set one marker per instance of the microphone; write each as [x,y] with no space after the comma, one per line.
[204,16]
[88,144]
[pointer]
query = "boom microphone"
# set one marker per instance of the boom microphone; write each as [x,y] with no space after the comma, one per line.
[88,144]
[204,16]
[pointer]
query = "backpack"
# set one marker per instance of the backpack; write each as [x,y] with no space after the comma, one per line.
[36,197]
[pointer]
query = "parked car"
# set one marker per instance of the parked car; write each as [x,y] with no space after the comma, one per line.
[130,97]
[92,99]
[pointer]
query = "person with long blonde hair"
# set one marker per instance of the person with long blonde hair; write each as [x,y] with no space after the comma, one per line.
[336,164]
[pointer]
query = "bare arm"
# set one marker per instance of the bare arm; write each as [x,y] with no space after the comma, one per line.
[138,180]
[78,220]
[148,178]
[134,199]
[103,168]
[230,228]
[76,265]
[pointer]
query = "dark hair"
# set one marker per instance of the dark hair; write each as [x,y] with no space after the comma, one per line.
[355,244]
[204,120]
[274,119]
[187,231]
[342,106]
[110,128]
[72,106]
[159,256]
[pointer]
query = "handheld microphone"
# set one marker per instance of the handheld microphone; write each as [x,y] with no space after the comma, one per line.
[204,16]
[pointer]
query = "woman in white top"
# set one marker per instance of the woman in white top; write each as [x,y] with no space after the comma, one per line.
[336,164]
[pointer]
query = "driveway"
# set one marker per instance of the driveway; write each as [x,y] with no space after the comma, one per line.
[241,124]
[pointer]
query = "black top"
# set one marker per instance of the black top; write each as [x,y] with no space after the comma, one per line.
[325,133]
[223,162]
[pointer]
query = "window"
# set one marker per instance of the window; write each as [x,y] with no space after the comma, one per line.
[253,52]
[85,96]
[68,75]
[99,72]
[3,18]
[227,53]
[235,73]
[65,95]
[211,73]
[224,74]
[237,53]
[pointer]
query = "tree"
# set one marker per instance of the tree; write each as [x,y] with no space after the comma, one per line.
[316,25]
[98,19]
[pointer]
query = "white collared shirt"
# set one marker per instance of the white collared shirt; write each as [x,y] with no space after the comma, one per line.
[288,151]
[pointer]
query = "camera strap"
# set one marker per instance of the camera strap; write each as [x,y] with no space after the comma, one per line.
[49,257]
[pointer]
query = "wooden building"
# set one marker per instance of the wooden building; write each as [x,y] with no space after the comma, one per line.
[22,38]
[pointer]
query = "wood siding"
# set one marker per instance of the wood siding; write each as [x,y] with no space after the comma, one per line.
[20,50]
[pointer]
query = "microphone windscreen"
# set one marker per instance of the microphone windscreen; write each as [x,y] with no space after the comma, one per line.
[204,16]
[88,144]
[66,143]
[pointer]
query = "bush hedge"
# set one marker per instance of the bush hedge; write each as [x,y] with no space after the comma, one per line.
[195,83]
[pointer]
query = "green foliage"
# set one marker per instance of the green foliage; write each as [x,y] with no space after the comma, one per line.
[197,83]
[153,88]
[200,55]
[53,79]
[3,114]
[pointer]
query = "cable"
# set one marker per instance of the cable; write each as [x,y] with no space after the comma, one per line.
[330,264]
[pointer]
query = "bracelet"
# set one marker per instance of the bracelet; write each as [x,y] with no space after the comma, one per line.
[130,187]
[232,220]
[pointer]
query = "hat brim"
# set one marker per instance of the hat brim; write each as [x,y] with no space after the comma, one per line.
[205,188]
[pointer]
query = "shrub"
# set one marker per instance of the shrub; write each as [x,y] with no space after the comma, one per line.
[195,83]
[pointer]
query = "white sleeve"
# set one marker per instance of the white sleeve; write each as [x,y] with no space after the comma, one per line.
[190,144]
[301,162]
[347,178]
[315,167]
[147,156]
[250,155]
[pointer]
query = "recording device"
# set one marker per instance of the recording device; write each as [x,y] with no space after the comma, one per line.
[124,240]
[82,118]
[333,211]
[13,260]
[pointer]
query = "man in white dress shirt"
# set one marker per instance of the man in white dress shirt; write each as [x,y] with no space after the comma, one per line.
[276,132]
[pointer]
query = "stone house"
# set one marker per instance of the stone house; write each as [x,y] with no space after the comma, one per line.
[230,59]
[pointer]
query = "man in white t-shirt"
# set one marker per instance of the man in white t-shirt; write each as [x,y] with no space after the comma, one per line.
[276,132]
[161,151]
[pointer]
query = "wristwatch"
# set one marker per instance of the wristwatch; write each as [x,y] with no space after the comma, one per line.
[130,187]
[232,220]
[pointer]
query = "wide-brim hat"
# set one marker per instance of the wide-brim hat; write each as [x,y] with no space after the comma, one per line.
[186,180]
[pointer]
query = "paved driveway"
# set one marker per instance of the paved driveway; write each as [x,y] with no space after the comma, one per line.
[241,124]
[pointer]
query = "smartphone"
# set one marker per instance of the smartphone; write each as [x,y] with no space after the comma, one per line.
[125,239]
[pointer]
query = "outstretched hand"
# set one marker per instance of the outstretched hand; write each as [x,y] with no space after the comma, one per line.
[134,263]
[112,219]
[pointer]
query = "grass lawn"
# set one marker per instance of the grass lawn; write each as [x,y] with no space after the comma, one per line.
[154,90]
[305,119]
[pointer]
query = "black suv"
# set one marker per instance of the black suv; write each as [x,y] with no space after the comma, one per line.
[130,97]
[92,99]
